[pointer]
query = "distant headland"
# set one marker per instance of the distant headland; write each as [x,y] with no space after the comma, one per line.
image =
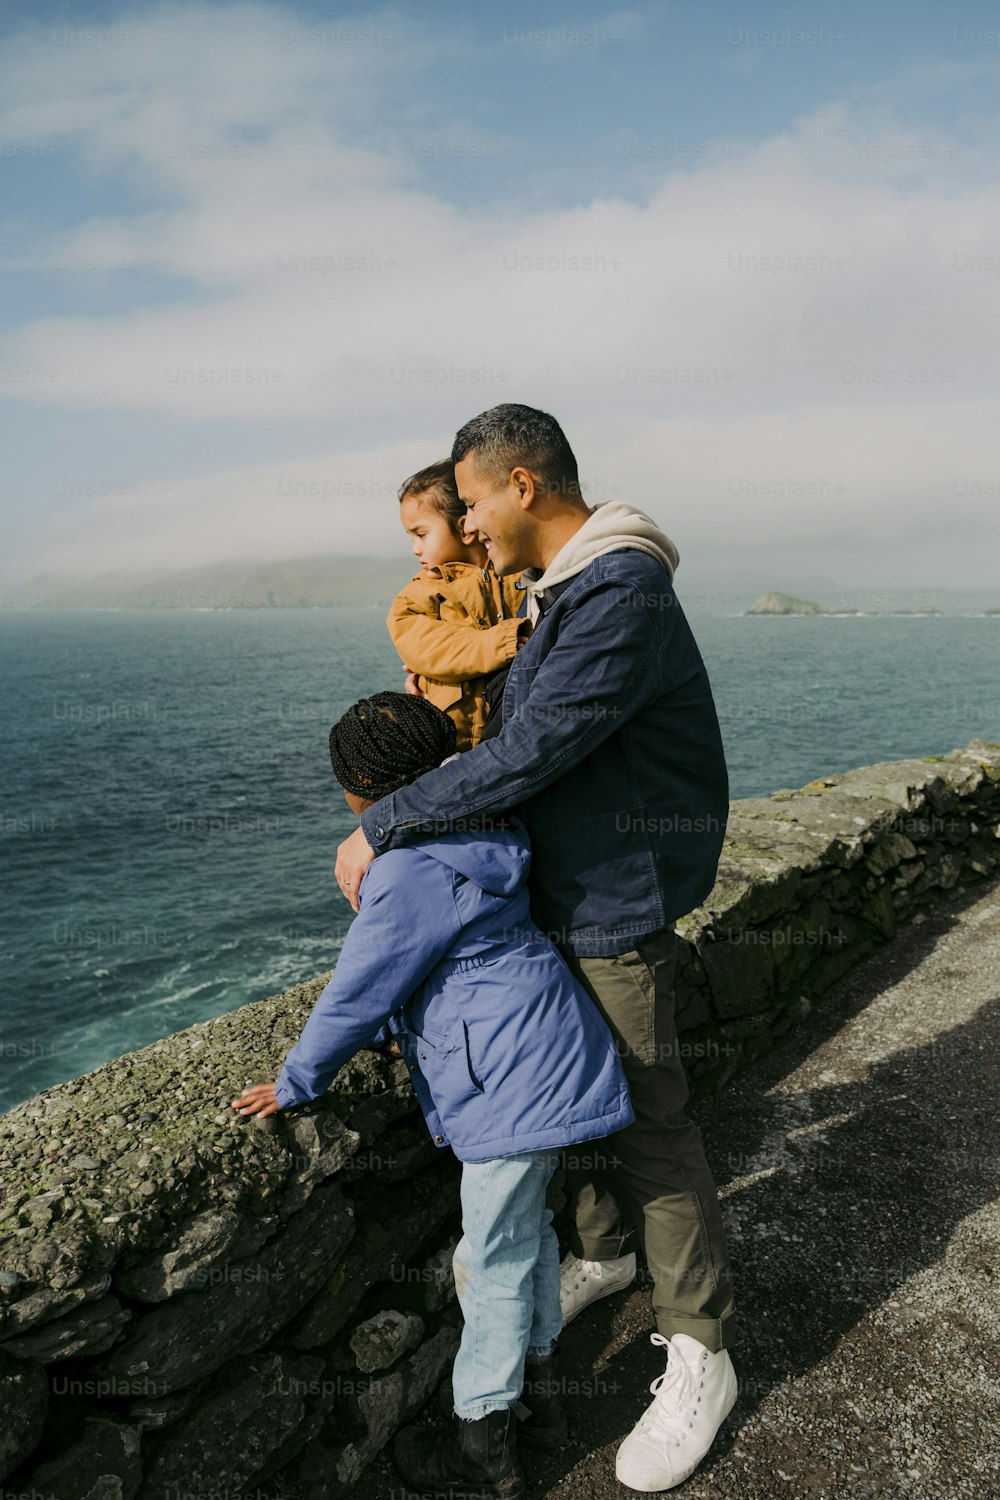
[328,581]
[292,583]
[785,604]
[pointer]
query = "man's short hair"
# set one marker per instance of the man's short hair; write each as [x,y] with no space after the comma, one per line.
[512,436]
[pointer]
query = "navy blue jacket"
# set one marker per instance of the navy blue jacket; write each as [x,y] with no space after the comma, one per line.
[506,1050]
[611,754]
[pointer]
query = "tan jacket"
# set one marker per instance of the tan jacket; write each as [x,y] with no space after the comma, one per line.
[453,626]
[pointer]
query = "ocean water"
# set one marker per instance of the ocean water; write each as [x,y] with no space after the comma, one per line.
[170,821]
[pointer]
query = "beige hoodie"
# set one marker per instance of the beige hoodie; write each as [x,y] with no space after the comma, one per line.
[608,527]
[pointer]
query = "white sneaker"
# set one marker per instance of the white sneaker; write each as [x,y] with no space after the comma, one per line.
[692,1398]
[584,1281]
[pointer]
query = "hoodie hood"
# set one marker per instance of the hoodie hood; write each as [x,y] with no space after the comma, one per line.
[496,859]
[610,526]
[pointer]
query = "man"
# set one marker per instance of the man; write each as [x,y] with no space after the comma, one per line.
[609,749]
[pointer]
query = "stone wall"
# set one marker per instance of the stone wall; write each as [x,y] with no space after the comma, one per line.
[193,1302]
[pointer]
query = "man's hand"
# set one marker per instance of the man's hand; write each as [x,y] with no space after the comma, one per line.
[260,1099]
[354,856]
[411,683]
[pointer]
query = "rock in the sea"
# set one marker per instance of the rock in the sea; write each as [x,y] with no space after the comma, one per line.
[783,604]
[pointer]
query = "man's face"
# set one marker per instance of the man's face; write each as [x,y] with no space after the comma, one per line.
[495,516]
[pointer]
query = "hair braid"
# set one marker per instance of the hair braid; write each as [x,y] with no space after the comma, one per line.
[388,740]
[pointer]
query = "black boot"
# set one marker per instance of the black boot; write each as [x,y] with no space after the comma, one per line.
[542,1416]
[469,1460]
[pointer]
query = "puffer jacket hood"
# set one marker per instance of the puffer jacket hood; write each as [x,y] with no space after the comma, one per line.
[499,865]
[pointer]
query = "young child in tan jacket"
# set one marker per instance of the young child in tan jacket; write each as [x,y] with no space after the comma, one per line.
[456,621]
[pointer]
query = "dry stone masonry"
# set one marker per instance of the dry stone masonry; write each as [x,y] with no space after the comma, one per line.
[194,1303]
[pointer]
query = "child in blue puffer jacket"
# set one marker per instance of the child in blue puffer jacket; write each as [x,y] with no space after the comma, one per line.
[510,1060]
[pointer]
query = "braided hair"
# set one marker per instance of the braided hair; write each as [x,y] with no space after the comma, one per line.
[388,740]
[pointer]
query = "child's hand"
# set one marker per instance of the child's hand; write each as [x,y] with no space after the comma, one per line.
[259,1100]
[411,683]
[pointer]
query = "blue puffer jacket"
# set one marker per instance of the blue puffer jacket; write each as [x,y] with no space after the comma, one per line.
[507,1052]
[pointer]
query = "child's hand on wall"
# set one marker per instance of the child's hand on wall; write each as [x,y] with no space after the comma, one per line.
[259,1100]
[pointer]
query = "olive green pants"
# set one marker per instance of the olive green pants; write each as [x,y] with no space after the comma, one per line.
[649,1185]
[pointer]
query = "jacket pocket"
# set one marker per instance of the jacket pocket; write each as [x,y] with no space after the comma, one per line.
[448,1075]
[473,1074]
[443,695]
[439,1043]
[446,1054]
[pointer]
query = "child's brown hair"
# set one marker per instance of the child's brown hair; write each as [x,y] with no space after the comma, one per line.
[436,487]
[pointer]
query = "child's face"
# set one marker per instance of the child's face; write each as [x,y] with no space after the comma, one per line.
[434,542]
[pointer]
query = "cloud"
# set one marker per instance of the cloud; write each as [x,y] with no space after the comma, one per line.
[337,502]
[821,305]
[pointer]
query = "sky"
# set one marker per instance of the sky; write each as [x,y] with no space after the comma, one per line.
[259,262]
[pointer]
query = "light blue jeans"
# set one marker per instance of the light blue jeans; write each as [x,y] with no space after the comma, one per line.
[507,1278]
